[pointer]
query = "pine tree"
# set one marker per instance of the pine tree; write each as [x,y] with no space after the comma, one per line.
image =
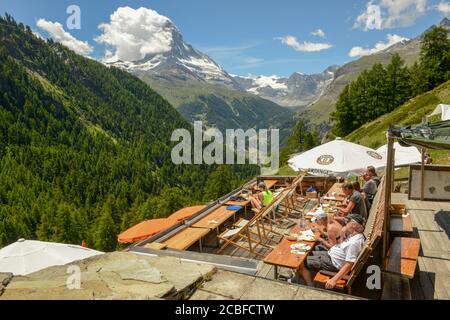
[219,183]
[106,233]
[398,83]
[302,138]
[435,57]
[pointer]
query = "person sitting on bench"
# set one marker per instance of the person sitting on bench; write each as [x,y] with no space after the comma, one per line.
[357,187]
[371,186]
[330,233]
[355,202]
[373,173]
[339,258]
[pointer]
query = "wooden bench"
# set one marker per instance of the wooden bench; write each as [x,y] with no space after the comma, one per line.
[401,225]
[346,281]
[395,288]
[402,257]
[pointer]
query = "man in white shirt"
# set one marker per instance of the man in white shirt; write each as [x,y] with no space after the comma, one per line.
[340,258]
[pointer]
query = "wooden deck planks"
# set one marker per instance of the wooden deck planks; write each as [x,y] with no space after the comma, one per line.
[433,279]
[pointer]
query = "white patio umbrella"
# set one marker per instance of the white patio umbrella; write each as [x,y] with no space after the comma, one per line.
[403,155]
[337,157]
[443,110]
[27,256]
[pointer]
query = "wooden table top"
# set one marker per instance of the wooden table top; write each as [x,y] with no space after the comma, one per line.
[281,255]
[270,183]
[336,188]
[237,203]
[186,238]
[220,215]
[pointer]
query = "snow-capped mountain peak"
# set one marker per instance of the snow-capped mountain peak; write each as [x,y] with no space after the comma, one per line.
[176,59]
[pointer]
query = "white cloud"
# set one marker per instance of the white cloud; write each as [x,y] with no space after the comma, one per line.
[306,46]
[370,19]
[134,33]
[385,14]
[444,7]
[56,31]
[391,40]
[318,33]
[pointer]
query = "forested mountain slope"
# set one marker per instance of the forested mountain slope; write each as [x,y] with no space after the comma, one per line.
[84,149]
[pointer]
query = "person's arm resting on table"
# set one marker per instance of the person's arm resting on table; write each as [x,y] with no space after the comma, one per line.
[347,209]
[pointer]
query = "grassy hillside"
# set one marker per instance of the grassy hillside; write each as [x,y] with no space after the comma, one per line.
[320,111]
[373,134]
[223,108]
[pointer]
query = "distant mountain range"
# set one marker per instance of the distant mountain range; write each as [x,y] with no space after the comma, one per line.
[183,63]
[320,111]
[202,90]
[297,90]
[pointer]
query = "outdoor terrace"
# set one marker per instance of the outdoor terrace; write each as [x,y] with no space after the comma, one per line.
[391,245]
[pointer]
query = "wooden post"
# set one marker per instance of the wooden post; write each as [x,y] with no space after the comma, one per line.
[390,164]
[392,169]
[422,176]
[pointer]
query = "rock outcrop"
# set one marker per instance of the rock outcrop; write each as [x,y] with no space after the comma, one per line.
[125,275]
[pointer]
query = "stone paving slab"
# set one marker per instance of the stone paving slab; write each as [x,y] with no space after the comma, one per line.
[263,289]
[111,276]
[124,275]
[205,295]
[228,284]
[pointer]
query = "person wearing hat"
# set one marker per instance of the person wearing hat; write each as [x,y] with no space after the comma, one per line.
[330,232]
[339,258]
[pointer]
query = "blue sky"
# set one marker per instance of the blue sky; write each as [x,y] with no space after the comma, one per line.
[245,36]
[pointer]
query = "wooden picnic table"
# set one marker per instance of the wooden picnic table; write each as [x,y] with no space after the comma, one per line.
[215,219]
[281,255]
[337,189]
[186,238]
[244,204]
[270,183]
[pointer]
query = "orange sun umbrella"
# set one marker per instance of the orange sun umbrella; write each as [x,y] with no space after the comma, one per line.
[185,213]
[145,229]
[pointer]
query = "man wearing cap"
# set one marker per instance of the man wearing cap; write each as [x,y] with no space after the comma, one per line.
[340,258]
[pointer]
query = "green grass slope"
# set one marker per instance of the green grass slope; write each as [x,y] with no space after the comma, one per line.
[321,110]
[373,134]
